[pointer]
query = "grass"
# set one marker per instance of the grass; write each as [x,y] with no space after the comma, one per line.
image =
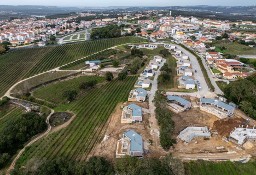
[23,63]
[234,48]
[92,112]
[216,71]
[220,168]
[54,92]
[67,38]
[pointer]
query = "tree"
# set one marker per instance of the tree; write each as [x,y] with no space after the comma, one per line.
[193,38]
[138,30]
[122,75]
[109,76]
[2,49]
[88,85]
[115,63]
[70,95]
[52,38]
[165,52]
[225,35]
[99,166]
[137,52]
[218,38]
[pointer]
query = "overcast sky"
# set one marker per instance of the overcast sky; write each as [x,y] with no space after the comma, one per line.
[86,3]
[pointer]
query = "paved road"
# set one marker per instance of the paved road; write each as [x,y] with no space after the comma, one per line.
[199,75]
[217,90]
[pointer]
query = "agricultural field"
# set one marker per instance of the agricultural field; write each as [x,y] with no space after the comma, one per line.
[92,111]
[110,54]
[233,48]
[56,90]
[41,80]
[23,63]
[9,115]
[220,168]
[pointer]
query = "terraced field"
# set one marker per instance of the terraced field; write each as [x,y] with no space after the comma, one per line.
[92,112]
[23,63]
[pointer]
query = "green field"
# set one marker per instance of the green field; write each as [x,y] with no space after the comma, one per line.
[54,92]
[82,36]
[234,48]
[75,37]
[22,63]
[221,168]
[67,38]
[92,112]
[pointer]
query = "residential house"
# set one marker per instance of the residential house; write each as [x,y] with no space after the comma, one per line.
[131,144]
[131,113]
[216,107]
[186,82]
[138,94]
[179,100]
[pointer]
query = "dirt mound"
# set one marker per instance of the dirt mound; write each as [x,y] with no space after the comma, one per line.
[224,127]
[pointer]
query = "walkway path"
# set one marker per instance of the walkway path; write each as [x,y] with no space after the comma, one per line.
[152,120]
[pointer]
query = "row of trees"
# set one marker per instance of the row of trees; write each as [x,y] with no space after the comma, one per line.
[101,166]
[243,93]
[165,76]
[164,118]
[17,132]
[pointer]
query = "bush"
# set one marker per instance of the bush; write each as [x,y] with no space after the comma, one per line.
[165,52]
[122,75]
[115,63]
[109,76]
[88,85]
[70,95]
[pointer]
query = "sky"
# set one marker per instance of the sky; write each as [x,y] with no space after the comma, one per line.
[101,3]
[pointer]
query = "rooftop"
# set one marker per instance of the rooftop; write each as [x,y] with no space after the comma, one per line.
[136,140]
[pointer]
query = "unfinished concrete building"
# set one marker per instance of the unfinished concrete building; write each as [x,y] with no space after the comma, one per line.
[241,135]
[190,133]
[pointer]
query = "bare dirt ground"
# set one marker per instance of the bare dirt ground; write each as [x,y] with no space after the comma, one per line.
[193,117]
[219,128]
[114,131]
[224,127]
